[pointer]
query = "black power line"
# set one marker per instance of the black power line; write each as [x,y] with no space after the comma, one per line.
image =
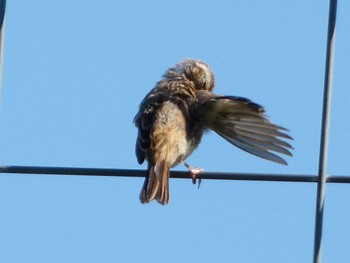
[173,174]
[2,11]
[2,19]
[322,167]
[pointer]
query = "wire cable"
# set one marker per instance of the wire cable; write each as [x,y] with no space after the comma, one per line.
[2,29]
[174,174]
[322,169]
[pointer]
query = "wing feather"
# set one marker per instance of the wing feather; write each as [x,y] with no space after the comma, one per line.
[244,124]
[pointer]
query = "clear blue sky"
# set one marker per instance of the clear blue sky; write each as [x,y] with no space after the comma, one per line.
[74,74]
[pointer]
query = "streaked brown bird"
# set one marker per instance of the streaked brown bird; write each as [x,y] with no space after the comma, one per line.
[175,113]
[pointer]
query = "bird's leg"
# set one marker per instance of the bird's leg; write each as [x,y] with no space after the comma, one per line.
[194,171]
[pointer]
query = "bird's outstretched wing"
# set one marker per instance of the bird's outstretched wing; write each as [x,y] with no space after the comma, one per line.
[244,124]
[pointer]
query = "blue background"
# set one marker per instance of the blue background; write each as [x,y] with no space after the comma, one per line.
[74,74]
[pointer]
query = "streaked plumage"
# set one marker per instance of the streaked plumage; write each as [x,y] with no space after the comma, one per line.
[173,116]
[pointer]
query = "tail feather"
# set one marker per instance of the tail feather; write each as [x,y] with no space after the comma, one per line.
[150,186]
[156,185]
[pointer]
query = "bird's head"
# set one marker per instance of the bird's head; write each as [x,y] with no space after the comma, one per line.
[196,71]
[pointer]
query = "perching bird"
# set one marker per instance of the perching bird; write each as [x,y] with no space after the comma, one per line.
[175,113]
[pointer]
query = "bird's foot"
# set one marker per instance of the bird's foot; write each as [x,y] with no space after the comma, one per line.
[194,171]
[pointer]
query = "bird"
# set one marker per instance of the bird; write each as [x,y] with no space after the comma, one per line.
[181,107]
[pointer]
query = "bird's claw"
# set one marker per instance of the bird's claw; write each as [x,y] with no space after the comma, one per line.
[194,172]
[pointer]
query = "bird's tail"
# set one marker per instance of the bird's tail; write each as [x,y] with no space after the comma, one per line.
[156,185]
